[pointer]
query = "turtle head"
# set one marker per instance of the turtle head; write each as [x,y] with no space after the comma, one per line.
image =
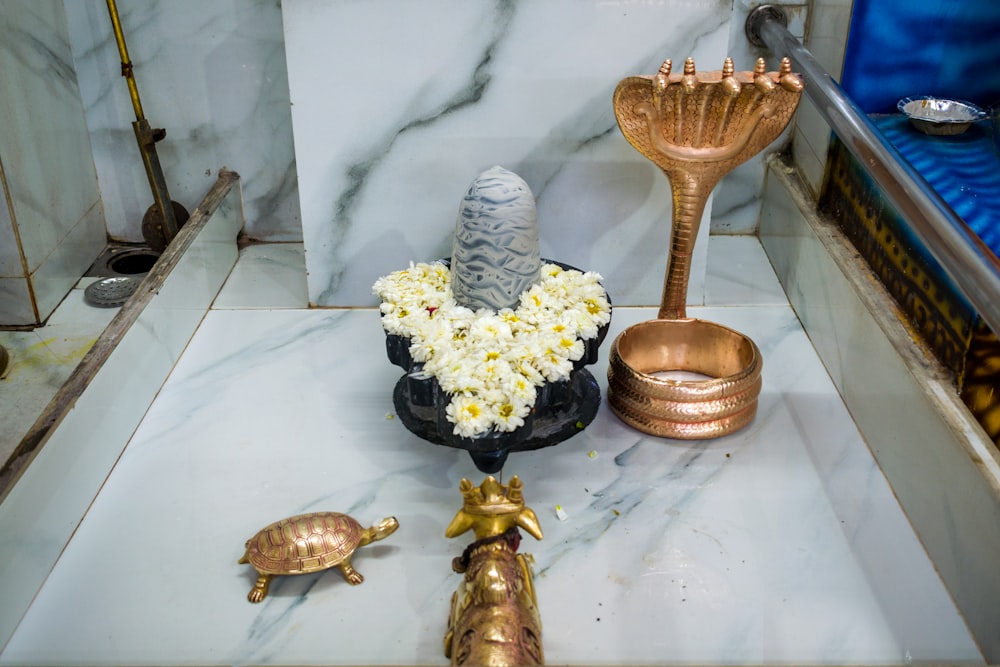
[383,528]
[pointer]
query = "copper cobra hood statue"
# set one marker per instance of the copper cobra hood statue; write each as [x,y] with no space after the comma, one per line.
[696,127]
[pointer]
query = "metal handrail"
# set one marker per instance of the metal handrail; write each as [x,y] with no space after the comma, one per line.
[964,257]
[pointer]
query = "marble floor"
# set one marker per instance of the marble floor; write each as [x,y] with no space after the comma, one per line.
[42,359]
[782,543]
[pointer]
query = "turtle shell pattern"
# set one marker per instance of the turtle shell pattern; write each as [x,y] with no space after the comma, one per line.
[304,543]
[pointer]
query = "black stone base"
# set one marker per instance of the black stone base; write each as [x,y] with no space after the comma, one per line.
[561,410]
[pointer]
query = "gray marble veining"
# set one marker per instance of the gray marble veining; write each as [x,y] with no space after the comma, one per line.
[525,85]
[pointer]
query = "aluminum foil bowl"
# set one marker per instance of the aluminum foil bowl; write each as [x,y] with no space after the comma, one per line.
[932,115]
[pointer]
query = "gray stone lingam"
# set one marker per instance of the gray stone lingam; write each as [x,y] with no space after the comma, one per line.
[495,257]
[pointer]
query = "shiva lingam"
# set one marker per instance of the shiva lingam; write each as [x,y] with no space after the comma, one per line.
[494,341]
[494,618]
[696,127]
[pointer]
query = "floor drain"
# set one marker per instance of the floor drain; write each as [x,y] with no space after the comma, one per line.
[110,292]
[133,262]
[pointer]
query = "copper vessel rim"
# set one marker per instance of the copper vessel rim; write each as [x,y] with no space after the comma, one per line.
[746,346]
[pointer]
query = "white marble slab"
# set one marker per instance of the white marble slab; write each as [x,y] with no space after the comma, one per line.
[779,544]
[387,140]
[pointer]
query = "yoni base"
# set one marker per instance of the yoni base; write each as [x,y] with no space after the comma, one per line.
[561,410]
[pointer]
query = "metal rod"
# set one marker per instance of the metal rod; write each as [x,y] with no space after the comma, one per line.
[964,257]
[133,90]
[145,136]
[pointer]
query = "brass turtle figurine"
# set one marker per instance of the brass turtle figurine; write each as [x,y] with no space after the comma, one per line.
[310,543]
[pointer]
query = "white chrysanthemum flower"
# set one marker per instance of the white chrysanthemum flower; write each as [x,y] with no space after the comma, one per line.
[492,327]
[436,334]
[470,415]
[519,387]
[554,366]
[454,372]
[579,321]
[551,270]
[509,416]
[492,363]
[573,348]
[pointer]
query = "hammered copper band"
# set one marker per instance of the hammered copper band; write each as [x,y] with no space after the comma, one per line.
[677,408]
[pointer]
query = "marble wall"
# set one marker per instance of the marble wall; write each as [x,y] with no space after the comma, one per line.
[51,224]
[526,85]
[379,107]
[213,75]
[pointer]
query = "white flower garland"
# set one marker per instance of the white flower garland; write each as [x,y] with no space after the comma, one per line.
[490,363]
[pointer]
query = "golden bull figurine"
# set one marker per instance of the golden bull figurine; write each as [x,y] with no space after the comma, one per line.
[494,617]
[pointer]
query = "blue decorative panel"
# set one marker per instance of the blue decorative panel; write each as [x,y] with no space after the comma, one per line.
[963,169]
[901,48]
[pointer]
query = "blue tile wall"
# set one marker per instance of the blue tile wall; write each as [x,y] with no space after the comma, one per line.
[900,48]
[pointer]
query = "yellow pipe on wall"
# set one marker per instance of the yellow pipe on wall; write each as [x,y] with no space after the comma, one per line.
[133,90]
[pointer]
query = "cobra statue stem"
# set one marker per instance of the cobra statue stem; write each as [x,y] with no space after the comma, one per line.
[690,195]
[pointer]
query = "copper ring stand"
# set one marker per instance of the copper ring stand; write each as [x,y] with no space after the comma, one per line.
[696,127]
[677,408]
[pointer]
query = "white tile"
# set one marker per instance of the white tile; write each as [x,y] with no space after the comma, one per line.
[828,39]
[15,302]
[811,163]
[739,274]
[736,202]
[811,128]
[10,255]
[214,76]
[42,359]
[50,183]
[61,270]
[34,373]
[45,147]
[271,275]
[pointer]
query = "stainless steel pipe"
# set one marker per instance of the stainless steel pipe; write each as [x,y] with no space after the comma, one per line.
[973,267]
